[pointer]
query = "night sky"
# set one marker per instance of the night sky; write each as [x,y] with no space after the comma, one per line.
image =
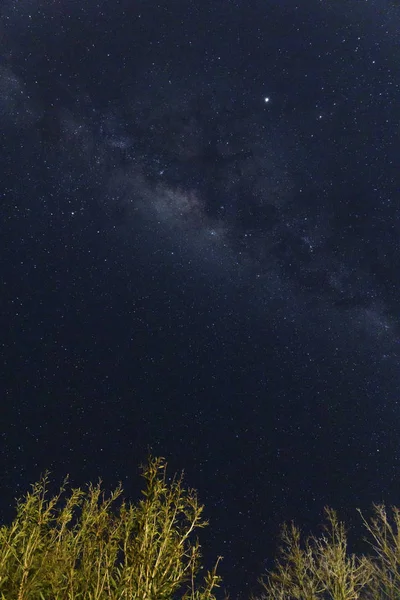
[200,257]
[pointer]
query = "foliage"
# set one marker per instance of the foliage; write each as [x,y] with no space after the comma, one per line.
[321,568]
[85,549]
[82,547]
[385,541]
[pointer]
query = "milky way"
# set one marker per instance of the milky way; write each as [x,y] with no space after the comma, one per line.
[248,196]
[258,190]
[189,267]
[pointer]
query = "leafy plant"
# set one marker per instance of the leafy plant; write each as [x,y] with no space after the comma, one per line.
[87,550]
[318,569]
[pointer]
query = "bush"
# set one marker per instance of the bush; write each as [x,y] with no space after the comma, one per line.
[321,568]
[87,550]
[83,548]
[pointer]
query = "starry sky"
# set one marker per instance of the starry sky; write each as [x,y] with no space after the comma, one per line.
[199,239]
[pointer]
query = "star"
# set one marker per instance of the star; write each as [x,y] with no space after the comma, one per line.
[194,266]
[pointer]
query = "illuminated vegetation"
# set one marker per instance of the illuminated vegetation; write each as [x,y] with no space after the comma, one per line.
[82,550]
[322,569]
[90,547]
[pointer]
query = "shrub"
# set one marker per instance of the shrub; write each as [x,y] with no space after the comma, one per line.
[322,569]
[87,550]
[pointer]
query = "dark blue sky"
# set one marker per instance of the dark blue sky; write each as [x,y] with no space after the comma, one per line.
[190,269]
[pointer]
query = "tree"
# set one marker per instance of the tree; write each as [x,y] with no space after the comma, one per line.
[385,541]
[87,550]
[318,569]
